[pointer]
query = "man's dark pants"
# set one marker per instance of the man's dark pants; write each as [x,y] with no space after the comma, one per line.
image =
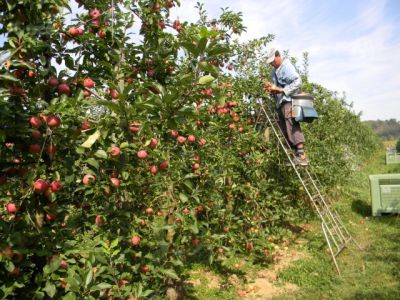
[290,128]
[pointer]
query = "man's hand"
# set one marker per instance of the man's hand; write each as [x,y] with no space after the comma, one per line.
[272,89]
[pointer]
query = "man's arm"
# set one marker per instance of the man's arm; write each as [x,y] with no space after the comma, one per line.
[294,79]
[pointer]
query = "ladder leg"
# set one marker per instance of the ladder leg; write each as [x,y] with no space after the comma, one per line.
[330,247]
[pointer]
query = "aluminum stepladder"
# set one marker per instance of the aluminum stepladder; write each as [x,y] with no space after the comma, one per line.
[333,228]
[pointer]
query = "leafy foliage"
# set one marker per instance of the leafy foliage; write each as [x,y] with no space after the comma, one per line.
[122,159]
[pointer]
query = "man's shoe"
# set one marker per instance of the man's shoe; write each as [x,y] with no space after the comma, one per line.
[301,161]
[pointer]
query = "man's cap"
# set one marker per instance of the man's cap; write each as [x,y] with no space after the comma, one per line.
[271,55]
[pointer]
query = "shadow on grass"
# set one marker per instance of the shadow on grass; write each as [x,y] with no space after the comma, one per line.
[360,207]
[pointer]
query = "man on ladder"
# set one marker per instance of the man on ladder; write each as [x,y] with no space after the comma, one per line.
[286,82]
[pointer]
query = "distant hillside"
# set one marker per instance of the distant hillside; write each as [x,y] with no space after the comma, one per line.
[387,129]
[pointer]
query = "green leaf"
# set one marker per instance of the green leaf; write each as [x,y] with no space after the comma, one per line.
[91,140]
[124,145]
[170,273]
[7,77]
[50,289]
[217,50]
[69,296]
[206,79]
[93,162]
[101,154]
[69,62]
[89,278]
[202,44]
[183,197]
[103,286]
[205,66]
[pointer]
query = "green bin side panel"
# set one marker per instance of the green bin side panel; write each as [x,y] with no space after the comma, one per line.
[390,197]
[392,158]
[385,193]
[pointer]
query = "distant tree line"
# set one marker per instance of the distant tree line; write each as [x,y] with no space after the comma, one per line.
[386,129]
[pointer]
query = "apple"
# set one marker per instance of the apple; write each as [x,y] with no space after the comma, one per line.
[63,88]
[31,74]
[52,82]
[181,139]
[102,34]
[88,178]
[75,31]
[231,126]
[149,211]
[50,216]
[230,67]
[153,143]
[163,165]
[186,211]
[55,186]
[11,208]
[53,121]
[115,151]
[150,72]
[40,185]
[169,4]
[85,125]
[114,94]
[195,242]
[144,269]
[95,13]
[135,240]
[142,154]
[115,181]
[153,170]
[177,25]
[87,93]
[191,138]
[174,133]
[202,142]
[88,83]
[36,134]
[134,128]
[63,264]
[34,148]
[99,220]
[51,149]
[35,122]
[196,166]
[249,246]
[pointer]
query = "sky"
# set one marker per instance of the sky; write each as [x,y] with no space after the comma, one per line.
[353,45]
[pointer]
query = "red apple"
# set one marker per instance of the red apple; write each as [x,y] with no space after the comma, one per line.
[177,25]
[87,93]
[102,34]
[99,220]
[115,151]
[36,134]
[144,269]
[202,142]
[34,148]
[135,240]
[63,264]
[191,138]
[11,208]
[181,139]
[35,122]
[114,94]
[153,170]
[53,82]
[115,181]
[163,165]
[174,133]
[95,13]
[85,125]
[88,178]
[88,83]
[55,186]
[153,143]
[40,185]
[186,211]
[51,149]
[195,242]
[53,121]
[63,88]
[50,216]
[196,166]
[142,154]
[149,211]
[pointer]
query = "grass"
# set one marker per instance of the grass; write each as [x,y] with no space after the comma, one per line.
[373,273]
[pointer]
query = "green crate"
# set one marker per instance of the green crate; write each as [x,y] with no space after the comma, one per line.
[392,157]
[385,193]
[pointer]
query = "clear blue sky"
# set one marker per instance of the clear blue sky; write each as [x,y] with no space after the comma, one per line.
[353,45]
